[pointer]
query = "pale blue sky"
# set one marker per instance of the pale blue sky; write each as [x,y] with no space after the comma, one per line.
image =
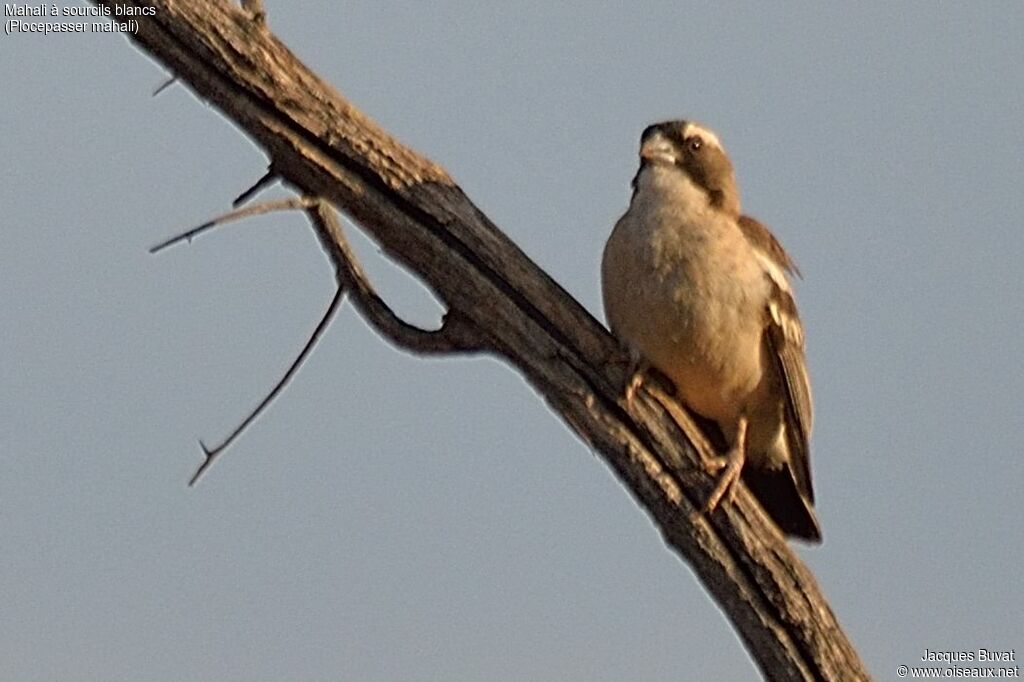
[393,518]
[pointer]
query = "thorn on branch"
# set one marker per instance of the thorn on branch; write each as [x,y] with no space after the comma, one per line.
[166,84]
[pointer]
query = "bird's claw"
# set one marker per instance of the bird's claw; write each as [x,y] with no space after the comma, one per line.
[636,378]
[636,368]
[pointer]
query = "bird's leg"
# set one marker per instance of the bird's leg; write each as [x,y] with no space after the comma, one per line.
[729,467]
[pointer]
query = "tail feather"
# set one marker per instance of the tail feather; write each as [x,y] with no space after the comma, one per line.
[777,491]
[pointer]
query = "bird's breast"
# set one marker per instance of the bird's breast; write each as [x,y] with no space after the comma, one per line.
[682,287]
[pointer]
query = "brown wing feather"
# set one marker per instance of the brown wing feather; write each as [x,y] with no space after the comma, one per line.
[786,340]
[762,239]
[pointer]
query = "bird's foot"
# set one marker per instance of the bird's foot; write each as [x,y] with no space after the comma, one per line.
[636,378]
[639,372]
[636,368]
[728,469]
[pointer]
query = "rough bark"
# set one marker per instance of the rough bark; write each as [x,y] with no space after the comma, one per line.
[503,303]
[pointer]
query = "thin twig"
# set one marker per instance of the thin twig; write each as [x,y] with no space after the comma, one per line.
[456,332]
[270,176]
[289,204]
[213,453]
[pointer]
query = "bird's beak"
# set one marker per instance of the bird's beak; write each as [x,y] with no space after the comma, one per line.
[656,149]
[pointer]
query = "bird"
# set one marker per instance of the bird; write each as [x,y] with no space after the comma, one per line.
[700,292]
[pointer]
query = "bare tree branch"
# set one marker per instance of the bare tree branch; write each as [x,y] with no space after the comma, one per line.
[323,146]
[456,334]
[293,203]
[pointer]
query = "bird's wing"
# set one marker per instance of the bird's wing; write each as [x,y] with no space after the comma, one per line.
[785,338]
[761,238]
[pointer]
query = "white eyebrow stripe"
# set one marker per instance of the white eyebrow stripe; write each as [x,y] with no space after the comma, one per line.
[694,129]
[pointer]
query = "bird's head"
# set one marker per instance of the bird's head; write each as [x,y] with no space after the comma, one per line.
[689,148]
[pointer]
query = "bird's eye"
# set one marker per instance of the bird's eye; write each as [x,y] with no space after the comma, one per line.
[695,143]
